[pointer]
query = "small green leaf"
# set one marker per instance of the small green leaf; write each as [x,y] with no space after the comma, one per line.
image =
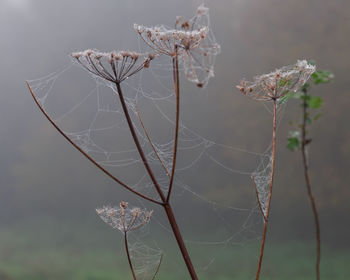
[293,144]
[322,77]
[293,140]
[314,102]
[288,95]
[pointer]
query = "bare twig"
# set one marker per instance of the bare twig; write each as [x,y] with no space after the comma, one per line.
[128,255]
[274,125]
[137,143]
[177,96]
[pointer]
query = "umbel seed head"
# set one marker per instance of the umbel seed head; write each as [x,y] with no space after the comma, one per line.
[124,218]
[115,66]
[274,85]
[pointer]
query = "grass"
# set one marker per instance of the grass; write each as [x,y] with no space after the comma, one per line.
[63,252]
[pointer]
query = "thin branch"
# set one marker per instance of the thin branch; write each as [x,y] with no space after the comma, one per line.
[273,155]
[150,140]
[83,152]
[258,199]
[128,255]
[157,270]
[177,120]
[309,191]
[137,143]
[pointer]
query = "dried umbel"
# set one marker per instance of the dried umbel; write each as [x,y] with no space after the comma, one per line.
[124,218]
[278,83]
[191,40]
[113,66]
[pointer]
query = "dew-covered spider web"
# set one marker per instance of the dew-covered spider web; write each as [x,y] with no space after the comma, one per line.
[213,196]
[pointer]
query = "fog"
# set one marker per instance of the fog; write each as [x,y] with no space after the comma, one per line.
[44,179]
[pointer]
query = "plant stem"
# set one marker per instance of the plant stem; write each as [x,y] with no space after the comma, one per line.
[137,143]
[266,216]
[165,204]
[177,120]
[128,255]
[180,242]
[308,187]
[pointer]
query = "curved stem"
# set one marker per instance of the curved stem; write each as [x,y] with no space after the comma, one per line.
[84,153]
[176,137]
[128,255]
[309,191]
[266,217]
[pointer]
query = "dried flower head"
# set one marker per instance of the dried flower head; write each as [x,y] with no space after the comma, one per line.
[113,66]
[278,83]
[123,217]
[191,40]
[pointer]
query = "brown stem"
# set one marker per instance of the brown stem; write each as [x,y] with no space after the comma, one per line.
[258,199]
[165,204]
[309,191]
[177,96]
[266,220]
[84,153]
[180,242]
[128,255]
[137,143]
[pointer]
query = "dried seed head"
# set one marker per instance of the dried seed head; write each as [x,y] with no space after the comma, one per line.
[112,66]
[123,218]
[191,41]
[278,83]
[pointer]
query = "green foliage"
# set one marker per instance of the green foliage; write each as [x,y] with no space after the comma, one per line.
[294,142]
[310,102]
[322,77]
[314,102]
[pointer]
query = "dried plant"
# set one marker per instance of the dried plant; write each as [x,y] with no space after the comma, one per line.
[126,220]
[194,46]
[191,40]
[274,87]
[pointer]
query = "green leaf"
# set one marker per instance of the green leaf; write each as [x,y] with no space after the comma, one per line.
[293,144]
[294,141]
[322,77]
[314,102]
[290,95]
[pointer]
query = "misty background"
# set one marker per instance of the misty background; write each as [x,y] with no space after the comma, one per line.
[49,191]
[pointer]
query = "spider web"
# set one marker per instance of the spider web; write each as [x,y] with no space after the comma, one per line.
[90,114]
[212,185]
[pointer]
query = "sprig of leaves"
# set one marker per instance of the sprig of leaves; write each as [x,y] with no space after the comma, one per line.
[312,102]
